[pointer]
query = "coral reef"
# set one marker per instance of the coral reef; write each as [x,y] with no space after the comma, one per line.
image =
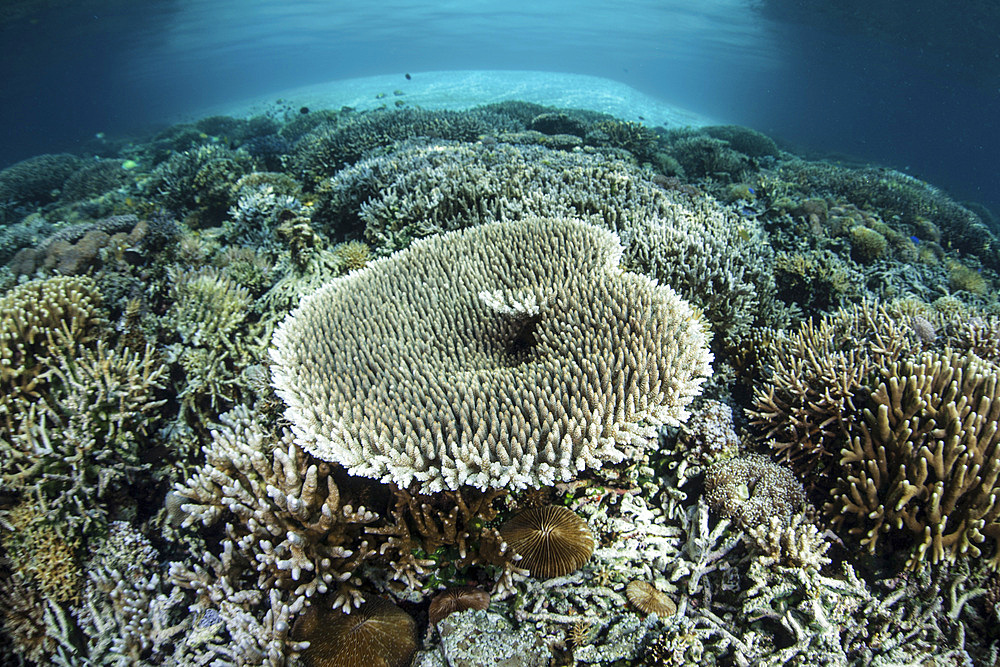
[461,405]
[482,322]
[329,147]
[718,262]
[38,179]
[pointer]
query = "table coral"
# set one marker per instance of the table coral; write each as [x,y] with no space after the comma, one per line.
[404,372]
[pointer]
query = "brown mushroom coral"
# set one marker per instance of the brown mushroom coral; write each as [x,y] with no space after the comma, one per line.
[376,634]
[552,541]
[649,600]
[456,599]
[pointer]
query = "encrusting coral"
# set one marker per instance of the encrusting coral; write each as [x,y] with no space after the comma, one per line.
[752,489]
[508,355]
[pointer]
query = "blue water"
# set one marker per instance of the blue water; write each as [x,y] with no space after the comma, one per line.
[915,101]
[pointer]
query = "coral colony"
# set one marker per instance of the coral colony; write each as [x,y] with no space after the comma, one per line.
[512,385]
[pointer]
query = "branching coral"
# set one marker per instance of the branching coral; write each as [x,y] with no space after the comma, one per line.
[404,372]
[448,529]
[126,613]
[926,459]
[283,512]
[237,623]
[36,319]
[817,375]
[73,450]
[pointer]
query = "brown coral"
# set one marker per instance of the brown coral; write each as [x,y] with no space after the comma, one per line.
[450,520]
[817,374]
[552,541]
[456,599]
[926,459]
[377,634]
[649,600]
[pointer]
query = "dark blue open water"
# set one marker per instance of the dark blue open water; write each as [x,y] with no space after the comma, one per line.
[896,83]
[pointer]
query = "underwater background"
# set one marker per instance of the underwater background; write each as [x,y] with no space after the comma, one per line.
[908,85]
[459,334]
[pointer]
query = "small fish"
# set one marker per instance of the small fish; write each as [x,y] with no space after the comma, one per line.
[915,239]
[304,110]
[408,77]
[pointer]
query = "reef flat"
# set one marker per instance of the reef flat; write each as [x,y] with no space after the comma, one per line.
[508,385]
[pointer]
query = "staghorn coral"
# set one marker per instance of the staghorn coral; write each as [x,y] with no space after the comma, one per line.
[899,195]
[211,314]
[817,373]
[208,308]
[259,210]
[94,179]
[233,622]
[81,446]
[126,614]
[925,460]
[450,530]
[283,512]
[744,139]
[795,542]
[202,180]
[37,318]
[456,392]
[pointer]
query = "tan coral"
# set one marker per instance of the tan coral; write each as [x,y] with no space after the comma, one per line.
[926,459]
[817,373]
[649,600]
[508,355]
